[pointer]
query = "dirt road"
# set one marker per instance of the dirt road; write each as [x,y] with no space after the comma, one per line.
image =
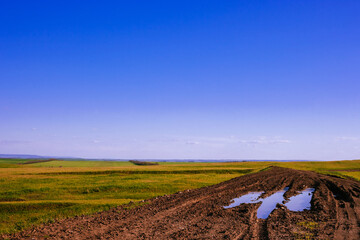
[199,213]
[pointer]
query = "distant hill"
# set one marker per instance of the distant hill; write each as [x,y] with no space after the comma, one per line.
[24,156]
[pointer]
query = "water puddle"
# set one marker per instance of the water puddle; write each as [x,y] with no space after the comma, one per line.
[299,202]
[269,203]
[248,198]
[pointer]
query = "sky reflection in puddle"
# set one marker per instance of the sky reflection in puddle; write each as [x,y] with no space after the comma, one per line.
[299,202]
[251,197]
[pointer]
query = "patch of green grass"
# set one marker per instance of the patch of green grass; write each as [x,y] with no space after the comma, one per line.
[12,160]
[305,230]
[305,236]
[308,225]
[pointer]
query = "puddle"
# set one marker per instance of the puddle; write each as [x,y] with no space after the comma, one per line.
[299,202]
[248,198]
[269,203]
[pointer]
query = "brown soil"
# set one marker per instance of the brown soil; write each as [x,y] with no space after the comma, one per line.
[199,213]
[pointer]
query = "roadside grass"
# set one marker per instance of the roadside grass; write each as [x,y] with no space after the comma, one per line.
[36,193]
[335,168]
[354,175]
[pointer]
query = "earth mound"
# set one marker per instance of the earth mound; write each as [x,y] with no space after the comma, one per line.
[200,213]
[136,162]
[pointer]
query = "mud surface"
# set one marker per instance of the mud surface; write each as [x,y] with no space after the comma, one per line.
[199,213]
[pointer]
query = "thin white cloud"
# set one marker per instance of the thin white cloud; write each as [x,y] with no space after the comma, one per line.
[224,140]
[265,140]
[346,138]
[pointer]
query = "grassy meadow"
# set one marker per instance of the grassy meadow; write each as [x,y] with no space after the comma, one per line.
[35,193]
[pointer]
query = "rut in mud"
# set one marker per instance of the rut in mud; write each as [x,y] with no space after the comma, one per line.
[199,213]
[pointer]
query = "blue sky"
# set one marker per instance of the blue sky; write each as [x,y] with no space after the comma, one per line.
[181,79]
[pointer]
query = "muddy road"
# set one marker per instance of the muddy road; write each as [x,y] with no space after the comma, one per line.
[200,213]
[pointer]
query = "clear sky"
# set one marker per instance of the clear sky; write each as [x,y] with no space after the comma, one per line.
[181,79]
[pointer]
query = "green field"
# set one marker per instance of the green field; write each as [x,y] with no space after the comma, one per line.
[35,193]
